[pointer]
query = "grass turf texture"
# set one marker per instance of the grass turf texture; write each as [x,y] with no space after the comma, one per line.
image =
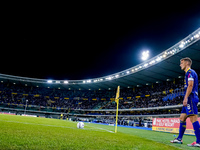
[18,132]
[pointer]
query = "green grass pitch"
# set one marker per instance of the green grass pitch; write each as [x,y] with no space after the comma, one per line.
[18,132]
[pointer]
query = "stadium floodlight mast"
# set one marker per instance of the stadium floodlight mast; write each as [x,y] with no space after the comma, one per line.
[145,55]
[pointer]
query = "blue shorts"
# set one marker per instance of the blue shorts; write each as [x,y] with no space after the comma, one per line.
[191,108]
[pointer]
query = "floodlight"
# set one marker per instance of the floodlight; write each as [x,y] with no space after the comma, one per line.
[66,82]
[182,45]
[145,65]
[152,62]
[109,78]
[158,59]
[88,81]
[116,76]
[196,36]
[49,81]
[145,55]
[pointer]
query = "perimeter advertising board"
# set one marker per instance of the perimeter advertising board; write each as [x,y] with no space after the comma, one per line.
[171,125]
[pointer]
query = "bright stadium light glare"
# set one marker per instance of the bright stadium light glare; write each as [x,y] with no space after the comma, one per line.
[66,82]
[116,76]
[49,81]
[196,36]
[145,55]
[89,81]
[57,81]
[109,78]
[182,44]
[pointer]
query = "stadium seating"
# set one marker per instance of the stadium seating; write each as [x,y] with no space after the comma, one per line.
[62,100]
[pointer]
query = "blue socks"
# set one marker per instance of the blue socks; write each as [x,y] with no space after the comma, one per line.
[196,130]
[181,129]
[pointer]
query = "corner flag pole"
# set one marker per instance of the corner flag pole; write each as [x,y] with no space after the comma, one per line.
[117,101]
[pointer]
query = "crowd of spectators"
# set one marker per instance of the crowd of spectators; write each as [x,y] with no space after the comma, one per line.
[145,102]
[17,94]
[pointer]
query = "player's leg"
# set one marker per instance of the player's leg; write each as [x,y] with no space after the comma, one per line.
[182,127]
[194,119]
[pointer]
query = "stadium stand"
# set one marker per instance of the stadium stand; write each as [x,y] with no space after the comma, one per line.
[15,95]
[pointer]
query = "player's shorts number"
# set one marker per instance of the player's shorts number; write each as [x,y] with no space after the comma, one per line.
[188,106]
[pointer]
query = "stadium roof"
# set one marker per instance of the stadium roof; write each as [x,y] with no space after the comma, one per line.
[163,67]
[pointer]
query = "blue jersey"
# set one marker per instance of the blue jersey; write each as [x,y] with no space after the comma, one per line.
[191,108]
[191,75]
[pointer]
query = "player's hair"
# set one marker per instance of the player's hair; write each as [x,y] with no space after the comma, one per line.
[188,60]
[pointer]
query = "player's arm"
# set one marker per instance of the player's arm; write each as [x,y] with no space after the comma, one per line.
[188,92]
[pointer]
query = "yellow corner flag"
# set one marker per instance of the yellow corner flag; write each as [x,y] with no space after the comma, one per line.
[117,101]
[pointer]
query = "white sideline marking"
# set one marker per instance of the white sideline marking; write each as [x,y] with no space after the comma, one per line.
[58,126]
[101,129]
[37,124]
[96,128]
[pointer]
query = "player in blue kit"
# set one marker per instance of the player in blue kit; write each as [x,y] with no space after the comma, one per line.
[190,103]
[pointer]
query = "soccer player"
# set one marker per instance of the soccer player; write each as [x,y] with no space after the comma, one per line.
[190,103]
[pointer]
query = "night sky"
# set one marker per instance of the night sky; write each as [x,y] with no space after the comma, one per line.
[88,41]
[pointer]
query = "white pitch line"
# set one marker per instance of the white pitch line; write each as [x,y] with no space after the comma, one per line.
[38,124]
[57,126]
[101,129]
[96,127]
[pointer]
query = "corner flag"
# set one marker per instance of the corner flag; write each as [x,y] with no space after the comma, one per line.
[117,94]
[117,101]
